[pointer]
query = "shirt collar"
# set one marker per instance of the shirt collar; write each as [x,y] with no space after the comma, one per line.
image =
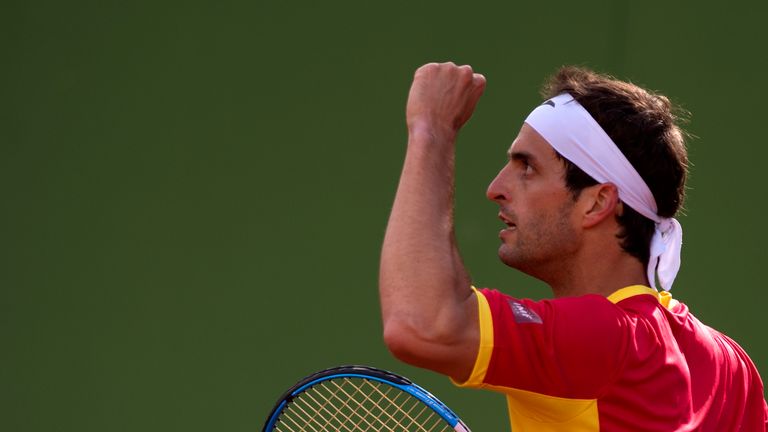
[665,298]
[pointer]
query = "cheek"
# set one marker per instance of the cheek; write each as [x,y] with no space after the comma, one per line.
[550,217]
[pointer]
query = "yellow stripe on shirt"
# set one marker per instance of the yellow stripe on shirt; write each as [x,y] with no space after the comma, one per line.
[486,343]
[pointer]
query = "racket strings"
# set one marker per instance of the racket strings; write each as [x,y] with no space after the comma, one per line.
[356,404]
[348,407]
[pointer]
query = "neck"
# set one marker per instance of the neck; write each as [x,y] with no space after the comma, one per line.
[597,273]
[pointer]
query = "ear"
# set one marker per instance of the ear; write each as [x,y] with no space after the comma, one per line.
[600,202]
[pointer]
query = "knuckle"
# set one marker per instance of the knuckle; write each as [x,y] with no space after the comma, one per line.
[425,68]
[465,73]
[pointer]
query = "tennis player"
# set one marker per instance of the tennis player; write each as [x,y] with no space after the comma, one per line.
[587,198]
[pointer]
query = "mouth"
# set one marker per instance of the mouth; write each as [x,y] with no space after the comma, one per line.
[510,225]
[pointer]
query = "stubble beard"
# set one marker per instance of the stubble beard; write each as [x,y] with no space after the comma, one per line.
[542,244]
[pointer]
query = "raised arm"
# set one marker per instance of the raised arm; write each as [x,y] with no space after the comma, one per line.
[428,308]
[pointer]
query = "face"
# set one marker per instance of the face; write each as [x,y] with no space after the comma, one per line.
[535,205]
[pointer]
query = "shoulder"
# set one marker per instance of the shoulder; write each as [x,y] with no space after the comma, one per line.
[570,347]
[587,313]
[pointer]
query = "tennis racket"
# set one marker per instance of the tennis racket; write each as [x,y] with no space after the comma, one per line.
[360,398]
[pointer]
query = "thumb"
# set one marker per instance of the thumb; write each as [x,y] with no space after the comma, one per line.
[479,82]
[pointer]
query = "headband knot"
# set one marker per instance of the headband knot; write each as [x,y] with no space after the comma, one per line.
[666,225]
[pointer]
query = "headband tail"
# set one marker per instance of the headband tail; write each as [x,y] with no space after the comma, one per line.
[665,254]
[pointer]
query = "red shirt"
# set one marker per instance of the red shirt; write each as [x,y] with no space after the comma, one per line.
[636,360]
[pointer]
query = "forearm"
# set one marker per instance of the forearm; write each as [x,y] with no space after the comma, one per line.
[422,279]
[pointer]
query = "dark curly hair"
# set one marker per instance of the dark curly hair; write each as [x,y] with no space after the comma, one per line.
[644,126]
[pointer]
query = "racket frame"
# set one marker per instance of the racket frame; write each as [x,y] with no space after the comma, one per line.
[369,373]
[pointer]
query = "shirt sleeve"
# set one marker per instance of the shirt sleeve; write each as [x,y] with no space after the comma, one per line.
[568,347]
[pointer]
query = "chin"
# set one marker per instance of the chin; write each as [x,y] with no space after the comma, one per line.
[519,261]
[508,257]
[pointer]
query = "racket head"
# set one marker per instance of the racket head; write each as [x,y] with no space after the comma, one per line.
[359,398]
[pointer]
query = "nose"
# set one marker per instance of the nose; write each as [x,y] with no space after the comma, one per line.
[498,190]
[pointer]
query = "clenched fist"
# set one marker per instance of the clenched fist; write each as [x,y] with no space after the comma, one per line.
[442,98]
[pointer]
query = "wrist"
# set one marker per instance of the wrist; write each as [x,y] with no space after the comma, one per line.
[432,135]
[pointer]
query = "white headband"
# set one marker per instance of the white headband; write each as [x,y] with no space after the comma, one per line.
[576,136]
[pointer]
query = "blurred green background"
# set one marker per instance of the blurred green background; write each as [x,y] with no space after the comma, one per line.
[194,193]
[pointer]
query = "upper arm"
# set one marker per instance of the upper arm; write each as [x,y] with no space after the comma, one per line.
[447,343]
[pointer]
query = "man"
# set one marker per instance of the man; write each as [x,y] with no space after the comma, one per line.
[588,196]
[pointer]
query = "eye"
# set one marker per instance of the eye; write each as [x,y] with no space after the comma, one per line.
[527,168]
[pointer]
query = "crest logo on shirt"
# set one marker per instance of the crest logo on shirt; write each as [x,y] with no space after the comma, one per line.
[523,315]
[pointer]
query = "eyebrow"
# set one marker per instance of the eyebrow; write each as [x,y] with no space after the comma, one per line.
[520,156]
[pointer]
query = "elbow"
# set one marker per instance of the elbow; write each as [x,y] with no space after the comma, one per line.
[401,340]
[412,346]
